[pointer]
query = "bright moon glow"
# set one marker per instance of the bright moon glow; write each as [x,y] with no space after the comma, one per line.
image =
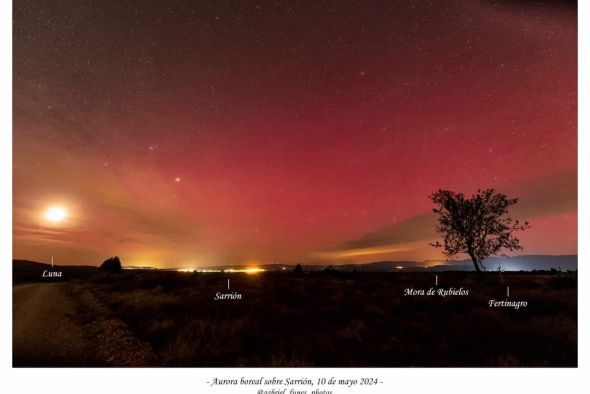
[56,214]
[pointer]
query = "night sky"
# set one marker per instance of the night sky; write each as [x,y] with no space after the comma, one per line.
[184,135]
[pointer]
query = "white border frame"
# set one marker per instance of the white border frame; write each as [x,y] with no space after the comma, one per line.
[145,381]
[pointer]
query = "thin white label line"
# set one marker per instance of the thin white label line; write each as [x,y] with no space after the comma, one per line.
[228,283]
[507,291]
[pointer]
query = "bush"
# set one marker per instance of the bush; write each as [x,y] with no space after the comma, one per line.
[112,264]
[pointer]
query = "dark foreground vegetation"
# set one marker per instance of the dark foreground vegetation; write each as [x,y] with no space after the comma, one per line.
[346,319]
[329,318]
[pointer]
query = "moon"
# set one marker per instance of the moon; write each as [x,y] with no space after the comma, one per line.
[56,214]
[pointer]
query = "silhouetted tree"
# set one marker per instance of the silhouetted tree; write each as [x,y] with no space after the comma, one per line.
[298,269]
[112,264]
[478,226]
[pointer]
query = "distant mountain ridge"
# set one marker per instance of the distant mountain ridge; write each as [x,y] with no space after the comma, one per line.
[32,271]
[515,263]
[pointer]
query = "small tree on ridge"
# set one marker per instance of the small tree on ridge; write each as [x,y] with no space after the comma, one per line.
[112,264]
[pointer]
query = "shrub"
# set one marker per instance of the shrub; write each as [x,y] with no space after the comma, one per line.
[112,265]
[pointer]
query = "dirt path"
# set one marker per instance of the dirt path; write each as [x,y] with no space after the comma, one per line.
[59,325]
[45,332]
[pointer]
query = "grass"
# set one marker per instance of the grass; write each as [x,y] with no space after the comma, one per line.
[346,319]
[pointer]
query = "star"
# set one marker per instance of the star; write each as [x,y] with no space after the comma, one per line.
[289,132]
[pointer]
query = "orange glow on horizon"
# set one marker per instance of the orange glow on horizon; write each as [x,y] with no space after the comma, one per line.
[248,270]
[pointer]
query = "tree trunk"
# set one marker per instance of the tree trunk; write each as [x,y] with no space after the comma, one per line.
[475,263]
